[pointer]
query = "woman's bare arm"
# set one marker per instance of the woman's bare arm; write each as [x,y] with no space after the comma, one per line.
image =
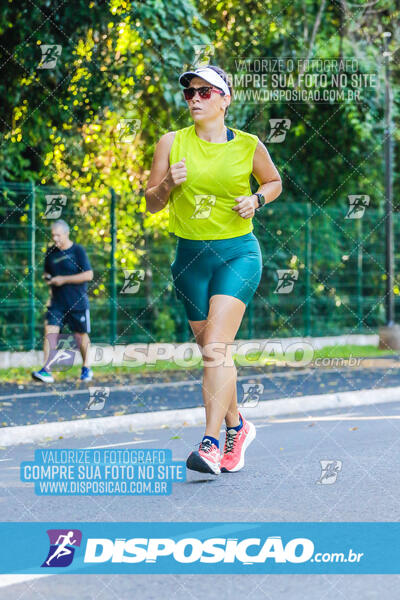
[163,178]
[266,174]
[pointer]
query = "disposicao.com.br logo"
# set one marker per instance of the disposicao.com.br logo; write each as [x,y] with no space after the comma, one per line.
[212,550]
[163,551]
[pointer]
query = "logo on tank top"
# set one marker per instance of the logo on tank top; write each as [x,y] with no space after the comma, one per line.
[57,259]
[204,204]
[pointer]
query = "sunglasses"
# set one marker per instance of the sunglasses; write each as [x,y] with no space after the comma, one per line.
[204,92]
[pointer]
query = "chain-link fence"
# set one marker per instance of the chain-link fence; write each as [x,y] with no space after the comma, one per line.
[323,269]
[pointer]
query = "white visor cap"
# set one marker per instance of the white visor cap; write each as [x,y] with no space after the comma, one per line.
[208,75]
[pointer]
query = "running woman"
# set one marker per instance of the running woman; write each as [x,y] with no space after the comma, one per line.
[203,172]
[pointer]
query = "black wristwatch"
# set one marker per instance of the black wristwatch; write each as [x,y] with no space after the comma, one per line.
[261,200]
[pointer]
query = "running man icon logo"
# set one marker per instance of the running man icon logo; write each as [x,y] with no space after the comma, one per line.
[286,279]
[55,204]
[128,129]
[279,129]
[251,394]
[329,471]
[133,278]
[50,54]
[98,397]
[62,351]
[202,54]
[62,547]
[204,203]
[357,206]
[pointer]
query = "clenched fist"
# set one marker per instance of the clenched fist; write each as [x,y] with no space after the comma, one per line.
[176,174]
[246,206]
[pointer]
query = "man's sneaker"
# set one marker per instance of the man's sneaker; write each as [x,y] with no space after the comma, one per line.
[43,375]
[236,443]
[206,460]
[86,374]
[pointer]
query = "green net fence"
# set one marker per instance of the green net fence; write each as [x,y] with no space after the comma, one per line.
[323,270]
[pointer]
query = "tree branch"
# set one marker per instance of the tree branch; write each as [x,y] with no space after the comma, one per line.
[314,33]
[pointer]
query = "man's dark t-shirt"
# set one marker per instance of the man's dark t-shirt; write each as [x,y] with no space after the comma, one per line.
[74,260]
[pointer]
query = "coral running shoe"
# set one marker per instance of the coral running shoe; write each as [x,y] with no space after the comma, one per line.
[236,444]
[206,460]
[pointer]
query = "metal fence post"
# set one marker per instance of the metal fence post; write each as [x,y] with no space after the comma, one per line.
[113,271]
[307,269]
[359,274]
[31,265]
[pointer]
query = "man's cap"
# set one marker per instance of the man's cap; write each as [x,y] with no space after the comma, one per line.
[208,75]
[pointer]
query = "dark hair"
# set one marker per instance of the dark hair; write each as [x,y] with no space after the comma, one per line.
[225,77]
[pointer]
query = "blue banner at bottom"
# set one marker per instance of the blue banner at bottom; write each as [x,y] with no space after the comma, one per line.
[201,548]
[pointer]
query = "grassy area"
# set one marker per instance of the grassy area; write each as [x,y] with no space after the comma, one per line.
[356,351]
[335,352]
[22,375]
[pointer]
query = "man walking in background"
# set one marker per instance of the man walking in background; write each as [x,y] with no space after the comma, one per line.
[67,270]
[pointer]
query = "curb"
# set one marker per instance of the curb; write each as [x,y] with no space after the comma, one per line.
[29,434]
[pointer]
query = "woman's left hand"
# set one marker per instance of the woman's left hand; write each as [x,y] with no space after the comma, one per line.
[246,206]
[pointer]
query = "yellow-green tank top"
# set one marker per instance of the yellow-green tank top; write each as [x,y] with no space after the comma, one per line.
[201,207]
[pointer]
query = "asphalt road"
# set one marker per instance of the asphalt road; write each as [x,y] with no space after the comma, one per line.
[43,403]
[277,484]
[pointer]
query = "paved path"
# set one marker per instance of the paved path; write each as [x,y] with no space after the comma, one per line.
[277,484]
[40,403]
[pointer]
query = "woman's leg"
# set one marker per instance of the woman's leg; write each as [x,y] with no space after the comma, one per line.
[232,415]
[237,278]
[219,374]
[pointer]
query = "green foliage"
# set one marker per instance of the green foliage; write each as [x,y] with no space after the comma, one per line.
[164,326]
[119,64]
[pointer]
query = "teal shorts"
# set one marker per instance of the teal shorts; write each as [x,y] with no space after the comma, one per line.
[203,268]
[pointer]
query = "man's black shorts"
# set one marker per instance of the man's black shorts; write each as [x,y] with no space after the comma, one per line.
[77,320]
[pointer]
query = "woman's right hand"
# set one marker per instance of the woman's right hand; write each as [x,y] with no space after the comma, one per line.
[176,174]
